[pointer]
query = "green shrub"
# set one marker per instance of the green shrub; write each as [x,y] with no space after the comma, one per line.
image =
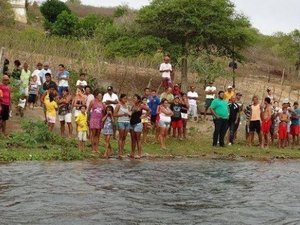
[52,8]
[6,14]
[66,25]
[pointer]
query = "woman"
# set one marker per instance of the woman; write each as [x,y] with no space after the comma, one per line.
[65,112]
[122,113]
[165,114]
[136,125]
[78,101]
[51,108]
[184,112]
[145,119]
[96,109]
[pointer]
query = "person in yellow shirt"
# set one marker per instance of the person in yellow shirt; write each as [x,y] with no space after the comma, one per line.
[51,108]
[82,127]
[229,93]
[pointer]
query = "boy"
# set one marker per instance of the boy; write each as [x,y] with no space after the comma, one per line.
[33,91]
[295,127]
[176,120]
[21,106]
[82,127]
[81,83]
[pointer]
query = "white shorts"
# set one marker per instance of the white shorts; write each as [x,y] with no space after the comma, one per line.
[51,119]
[82,135]
[24,91]
[67,118]
[193,112]
[76,112]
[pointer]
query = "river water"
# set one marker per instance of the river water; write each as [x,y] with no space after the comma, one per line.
[150,192]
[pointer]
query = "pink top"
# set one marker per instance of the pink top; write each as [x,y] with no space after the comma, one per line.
[6,99]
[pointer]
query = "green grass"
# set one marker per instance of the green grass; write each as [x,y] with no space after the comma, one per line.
[195,146]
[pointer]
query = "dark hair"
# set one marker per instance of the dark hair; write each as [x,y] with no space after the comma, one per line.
[6,62]
[109,107]
[138,97]
[48,75]
[146,89]
[123,96]
[88,87]
[66,89]
[62,65]
[268,100]
[153,90]
[144,98]
[17,63]
[39,64]
[182,94]
[51,97]
[82,106]
[163,100]
[220,92]
[97,92]
[82,74]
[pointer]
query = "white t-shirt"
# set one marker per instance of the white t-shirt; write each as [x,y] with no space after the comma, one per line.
[192,95]
[37,74]
[112,97]
[89,99]
[82,83]
[63,83]
[22,103]
[210,88]
[43,73]
[165,66]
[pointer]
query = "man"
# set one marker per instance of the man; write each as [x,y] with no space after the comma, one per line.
[48,82]
[63,77]
[153,103]
[110,98]
[266,122]
[147,93]
[210,92]
[229,93]
[270,95]
[193,97]
[295,127]
[37,72]
[167,94]
[255,121]
[220,112]
[5,101]
[43,73]
[234,115]
[166,69]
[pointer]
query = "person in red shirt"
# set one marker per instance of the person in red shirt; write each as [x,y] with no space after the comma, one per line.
[5,101]
[176,90]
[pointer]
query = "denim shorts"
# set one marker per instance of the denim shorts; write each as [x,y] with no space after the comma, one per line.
[164,124]
[124,125]
[137,127]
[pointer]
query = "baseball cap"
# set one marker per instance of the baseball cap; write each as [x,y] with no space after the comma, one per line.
[229,87]
[109,88]
[285,101]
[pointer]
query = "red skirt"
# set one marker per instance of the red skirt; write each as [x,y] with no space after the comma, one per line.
[266,126]
[295,130]
[282,130]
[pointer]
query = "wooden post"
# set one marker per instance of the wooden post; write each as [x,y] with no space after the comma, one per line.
[2,59]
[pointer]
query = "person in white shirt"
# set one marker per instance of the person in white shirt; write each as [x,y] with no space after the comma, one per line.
[166,70]
[43,73]
[81,83]
[210,92]
[37,73]
[193,97]
[110,98]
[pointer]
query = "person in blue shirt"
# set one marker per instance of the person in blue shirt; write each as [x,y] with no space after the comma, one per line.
[295,126]
[153,103]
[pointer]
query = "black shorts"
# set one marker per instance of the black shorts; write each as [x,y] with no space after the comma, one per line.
[255,126]
[5,112]
[153,119]
[208,102]
[31,98]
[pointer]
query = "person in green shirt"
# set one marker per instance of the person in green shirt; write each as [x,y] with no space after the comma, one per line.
[220,112]
[24,78]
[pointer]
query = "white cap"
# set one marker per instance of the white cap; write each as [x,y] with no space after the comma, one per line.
[285,101]
[229,87]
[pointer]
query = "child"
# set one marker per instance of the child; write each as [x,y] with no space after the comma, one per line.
[33,91]
[82,127]
[145,119]
[51,108]
[176,120]
[81,83]
[108,121]
[283,126]
[21,106]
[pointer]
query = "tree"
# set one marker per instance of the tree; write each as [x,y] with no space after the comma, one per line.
[195,26]
[90,23]
[52,8]
[66,25]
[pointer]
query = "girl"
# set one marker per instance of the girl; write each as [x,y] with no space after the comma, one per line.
[136,125]
[145,119]
[184,112]
[96,108]
[78,101]
[165,114]
[51,108]
[108,131]
[123,114]
[283,126]
[33,91]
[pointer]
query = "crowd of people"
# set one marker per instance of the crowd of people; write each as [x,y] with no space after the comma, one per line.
[115,116]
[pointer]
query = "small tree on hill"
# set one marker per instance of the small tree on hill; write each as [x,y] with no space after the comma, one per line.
[67,25]
[195,26]
[52,8]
